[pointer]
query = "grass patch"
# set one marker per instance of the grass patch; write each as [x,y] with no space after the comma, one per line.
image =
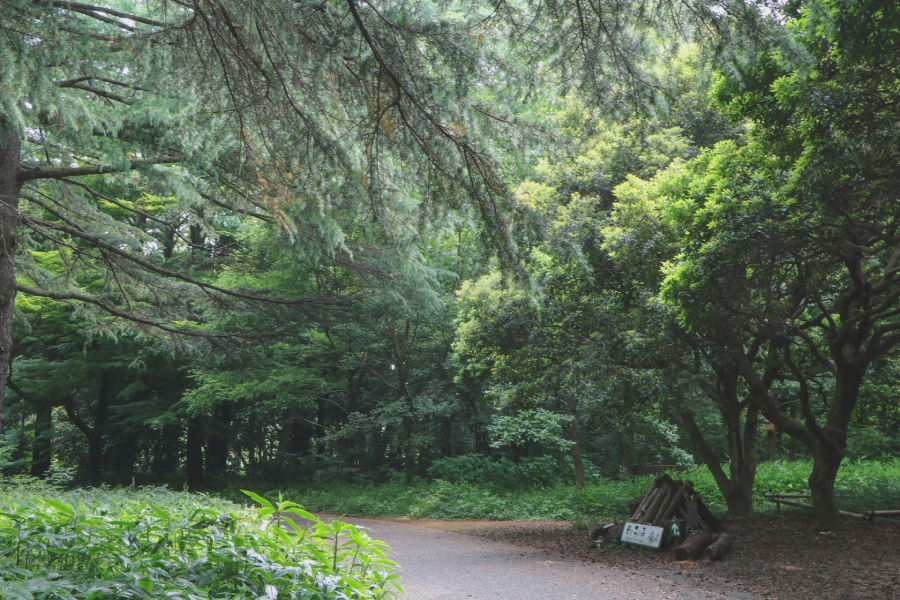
[860,486]
[153,543]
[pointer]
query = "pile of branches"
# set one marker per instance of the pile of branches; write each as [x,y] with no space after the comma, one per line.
[669,499]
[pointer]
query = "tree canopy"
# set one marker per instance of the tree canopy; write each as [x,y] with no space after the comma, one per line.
[288,238]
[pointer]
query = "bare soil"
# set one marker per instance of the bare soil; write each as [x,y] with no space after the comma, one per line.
[779,557]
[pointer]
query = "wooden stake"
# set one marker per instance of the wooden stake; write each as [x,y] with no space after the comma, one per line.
[643,507]
[674,503]
[654,506]
[663,505]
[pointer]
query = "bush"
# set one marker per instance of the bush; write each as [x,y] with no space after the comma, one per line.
[504,474]
[472,495]
[152,543]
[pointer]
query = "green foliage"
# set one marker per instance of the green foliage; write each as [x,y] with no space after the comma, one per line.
[500,474]
[153,543]
[861,486]
[535,425]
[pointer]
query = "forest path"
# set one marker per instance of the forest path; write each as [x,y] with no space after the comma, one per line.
[443,565]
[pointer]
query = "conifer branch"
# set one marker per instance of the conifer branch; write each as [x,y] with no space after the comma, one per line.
[93,90]
[107,307]
[92,11]
[72,229]
[30,174]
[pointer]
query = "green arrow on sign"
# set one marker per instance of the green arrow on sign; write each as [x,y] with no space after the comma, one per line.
[675,528]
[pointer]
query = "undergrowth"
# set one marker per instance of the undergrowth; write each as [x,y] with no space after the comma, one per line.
[155,544]
[861,486]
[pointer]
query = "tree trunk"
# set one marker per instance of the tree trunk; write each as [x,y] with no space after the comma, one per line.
[737,490]
[826,463]
[95,458]
[124,458]
[409,451]
[571,407]
[193,459]
[792,444]
[42,446]
[740,503]
[10,187]
[218,440]
[772,444]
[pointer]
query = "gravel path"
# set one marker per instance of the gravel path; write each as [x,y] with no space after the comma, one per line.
[440,565]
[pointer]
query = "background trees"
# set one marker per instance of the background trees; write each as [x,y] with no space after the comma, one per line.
[281,240]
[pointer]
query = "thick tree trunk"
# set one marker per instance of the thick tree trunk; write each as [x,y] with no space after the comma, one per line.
[740,502]
[826,463]
[571,408]
[10,187]
[831,441]
[42,446]
[737,490]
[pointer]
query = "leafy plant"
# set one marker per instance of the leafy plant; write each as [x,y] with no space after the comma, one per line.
[100,544]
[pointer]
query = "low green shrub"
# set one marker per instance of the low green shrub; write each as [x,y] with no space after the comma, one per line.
[860,486]
[152,543]
[504,474]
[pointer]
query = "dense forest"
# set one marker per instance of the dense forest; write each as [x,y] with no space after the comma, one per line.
[343,240]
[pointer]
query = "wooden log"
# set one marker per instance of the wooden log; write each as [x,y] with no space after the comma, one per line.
[651,495]
[694,545]
[651,510]
[843,513]
[666,479]
[690,505]
[719,548]
[674,503]
[791,503]
[648,497]
[871,514]
[634,504]
[615,532]
[771,496]
[670,493]
[704,513]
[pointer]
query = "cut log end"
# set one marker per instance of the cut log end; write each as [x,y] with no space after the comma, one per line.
[694,545]
[719,548]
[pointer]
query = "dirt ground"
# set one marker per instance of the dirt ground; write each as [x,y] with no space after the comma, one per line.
[779,557]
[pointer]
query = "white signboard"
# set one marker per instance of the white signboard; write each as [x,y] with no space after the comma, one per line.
[642,535]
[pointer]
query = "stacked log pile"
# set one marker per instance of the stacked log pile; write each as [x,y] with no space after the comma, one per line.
[668,499]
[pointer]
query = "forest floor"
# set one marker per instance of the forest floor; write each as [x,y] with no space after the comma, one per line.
[774,556]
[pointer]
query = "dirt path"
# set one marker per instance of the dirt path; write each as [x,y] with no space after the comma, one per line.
[444,565]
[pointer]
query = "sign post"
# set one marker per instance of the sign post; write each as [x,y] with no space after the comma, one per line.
[676,528]
[647,536]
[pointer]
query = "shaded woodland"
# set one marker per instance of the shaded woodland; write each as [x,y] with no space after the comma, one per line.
[353,241]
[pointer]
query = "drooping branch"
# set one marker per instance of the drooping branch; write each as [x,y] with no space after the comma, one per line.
[73,230]
[31,174]
[96,91]
[107,307]
[92,11]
